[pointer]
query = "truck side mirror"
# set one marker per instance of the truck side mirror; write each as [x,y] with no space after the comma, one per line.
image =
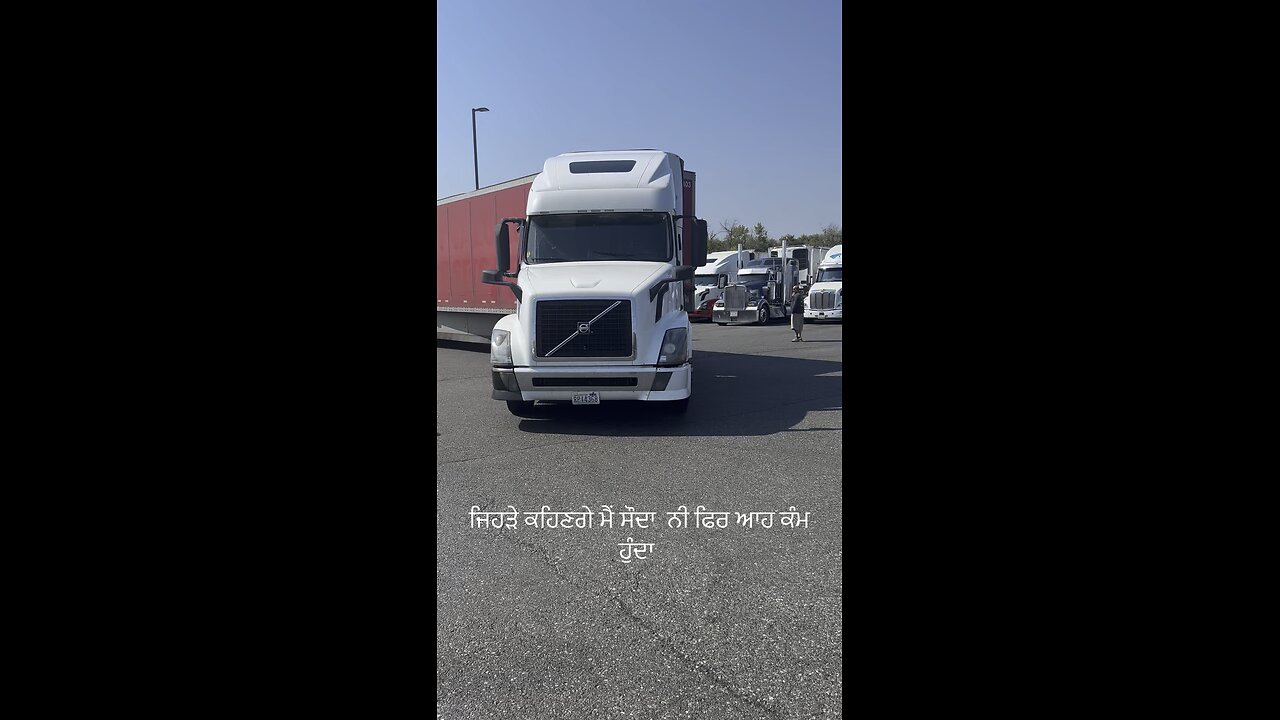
[699,243]
[502,238]
[502,247]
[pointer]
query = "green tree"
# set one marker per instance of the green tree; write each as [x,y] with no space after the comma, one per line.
[714,243]
[761,238]
[735,232]
[718,245]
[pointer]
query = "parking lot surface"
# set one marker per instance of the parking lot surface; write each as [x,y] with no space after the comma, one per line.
[722,622]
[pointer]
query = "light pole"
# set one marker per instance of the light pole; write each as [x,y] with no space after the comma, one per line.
[474,152]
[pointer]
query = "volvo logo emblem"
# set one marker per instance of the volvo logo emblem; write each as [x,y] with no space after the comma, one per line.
[584,328]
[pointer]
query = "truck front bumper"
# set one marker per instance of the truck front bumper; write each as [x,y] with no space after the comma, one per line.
[743,317]
[621,382]
[830,314]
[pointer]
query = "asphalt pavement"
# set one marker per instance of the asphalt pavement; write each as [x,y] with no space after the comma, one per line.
[732,622]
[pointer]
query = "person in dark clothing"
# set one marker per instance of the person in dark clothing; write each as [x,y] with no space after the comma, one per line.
[797,312]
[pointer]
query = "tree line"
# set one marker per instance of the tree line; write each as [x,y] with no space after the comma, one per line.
[732,233]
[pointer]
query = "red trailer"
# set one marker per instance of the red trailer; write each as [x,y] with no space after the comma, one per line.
[466,308]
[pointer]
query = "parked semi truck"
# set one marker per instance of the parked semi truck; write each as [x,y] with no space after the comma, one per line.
[760,295]
[707,283]
[605,253]
[825,300]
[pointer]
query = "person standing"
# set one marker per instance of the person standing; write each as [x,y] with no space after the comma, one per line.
[797,312]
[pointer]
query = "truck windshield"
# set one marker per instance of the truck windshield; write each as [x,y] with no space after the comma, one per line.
[830,275]
[701,280]
[605,236]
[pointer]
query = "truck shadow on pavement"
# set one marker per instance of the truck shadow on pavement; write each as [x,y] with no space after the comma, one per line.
[733,394]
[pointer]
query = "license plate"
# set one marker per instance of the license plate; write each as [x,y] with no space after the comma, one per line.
[591,398]
[733,313]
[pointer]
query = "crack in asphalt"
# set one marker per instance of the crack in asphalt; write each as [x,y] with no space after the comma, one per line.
[699,666]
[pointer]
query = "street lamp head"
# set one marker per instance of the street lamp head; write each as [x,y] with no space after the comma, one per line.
[479,109]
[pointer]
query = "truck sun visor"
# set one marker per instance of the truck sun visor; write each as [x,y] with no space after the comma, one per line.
[602,166]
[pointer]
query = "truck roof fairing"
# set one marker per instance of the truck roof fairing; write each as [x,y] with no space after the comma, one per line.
[607,181]
[834,258]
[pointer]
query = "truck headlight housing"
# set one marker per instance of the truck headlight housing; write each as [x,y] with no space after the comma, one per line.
[839,296]
[675,347]
[500,348]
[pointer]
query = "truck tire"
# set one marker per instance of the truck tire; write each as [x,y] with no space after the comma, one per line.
[762,315]
[521,408]
[676,407]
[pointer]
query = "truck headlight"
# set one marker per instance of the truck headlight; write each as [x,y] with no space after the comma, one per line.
[500,348]
[839,297]
[675,345]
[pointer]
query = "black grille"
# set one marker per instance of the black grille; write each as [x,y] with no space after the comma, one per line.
[584,381]
[610,336]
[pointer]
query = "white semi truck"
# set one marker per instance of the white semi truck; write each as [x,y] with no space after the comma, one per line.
[825,300]
[708,278]
[601,302]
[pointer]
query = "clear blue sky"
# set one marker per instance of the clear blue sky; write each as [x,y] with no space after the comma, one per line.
[748,93]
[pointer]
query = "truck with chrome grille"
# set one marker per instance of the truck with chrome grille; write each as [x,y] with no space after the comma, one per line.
[605,259]
[759,295]
[825,300]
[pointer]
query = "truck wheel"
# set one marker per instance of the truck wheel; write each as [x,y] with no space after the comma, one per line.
[677,407]
[762,315]
[521,408]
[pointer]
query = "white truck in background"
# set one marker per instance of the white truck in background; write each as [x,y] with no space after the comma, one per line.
[601,302]
[721,269]
[807,258]
[825,300]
